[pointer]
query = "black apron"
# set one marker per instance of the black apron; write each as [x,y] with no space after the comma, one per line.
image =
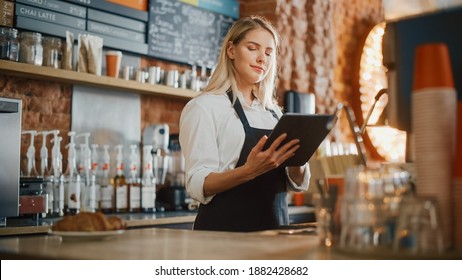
[259,204]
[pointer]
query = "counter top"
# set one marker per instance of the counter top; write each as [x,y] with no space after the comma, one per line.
[180,244]
[18,226]
[161,243]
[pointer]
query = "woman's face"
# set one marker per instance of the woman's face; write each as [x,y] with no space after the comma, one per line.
[253,56]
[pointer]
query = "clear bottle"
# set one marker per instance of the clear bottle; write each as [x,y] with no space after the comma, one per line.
[62,194]
[148,183]
[84,169]
[52,52]
[134,182]
[72,184]
[120,184]
[91,204]
[107,189]
[45,172]
[30,170]
[95,171]
[9,44]
[56,177]
[30,48]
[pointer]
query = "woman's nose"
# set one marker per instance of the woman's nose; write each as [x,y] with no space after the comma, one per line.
[261,57]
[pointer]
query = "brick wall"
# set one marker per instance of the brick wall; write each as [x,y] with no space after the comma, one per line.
[320,41]
[320,46]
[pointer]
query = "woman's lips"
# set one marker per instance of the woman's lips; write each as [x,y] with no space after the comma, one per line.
[258,69]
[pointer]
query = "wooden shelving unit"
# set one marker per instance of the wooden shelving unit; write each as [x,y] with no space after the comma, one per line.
[76,78]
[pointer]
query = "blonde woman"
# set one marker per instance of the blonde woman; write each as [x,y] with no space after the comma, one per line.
[240,186]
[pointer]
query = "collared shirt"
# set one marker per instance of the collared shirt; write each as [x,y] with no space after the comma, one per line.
[212,136]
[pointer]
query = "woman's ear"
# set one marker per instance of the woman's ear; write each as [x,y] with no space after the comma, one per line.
[230,50]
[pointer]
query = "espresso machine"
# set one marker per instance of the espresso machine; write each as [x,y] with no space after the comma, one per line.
[174,196]
[168,167]
[158,136]
[10,150]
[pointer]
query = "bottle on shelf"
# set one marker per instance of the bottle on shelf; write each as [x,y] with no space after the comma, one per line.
[84,165]
[91,196]
[148,183]
[203,78]
[120,183]
[134,185]
[45,173]
[84,171]
[56,178]
[107,189]
[95,171]
[30,170]
[72,179]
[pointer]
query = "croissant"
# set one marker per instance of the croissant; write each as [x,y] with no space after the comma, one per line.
[86,221]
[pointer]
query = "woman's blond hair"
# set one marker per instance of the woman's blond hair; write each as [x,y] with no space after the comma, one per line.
[225,75]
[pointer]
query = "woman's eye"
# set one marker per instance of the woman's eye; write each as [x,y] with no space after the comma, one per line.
[268,54]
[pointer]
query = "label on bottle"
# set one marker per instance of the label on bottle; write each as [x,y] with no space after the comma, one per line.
[148,196]
[73,196]
[135,196]
[107,193]
[121,197]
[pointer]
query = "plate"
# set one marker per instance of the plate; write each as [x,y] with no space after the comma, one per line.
[85,235]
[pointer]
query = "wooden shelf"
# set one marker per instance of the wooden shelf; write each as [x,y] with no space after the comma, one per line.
[76,78]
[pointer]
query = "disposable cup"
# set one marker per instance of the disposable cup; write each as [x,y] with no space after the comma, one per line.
[113,60]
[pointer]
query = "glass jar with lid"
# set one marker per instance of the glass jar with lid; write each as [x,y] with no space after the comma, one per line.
[52,52]
[9,44]
[30,48]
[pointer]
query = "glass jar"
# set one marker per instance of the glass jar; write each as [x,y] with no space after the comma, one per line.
[30,48]
[9,44]
[52,52]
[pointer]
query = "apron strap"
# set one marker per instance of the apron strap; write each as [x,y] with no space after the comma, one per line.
[240,111]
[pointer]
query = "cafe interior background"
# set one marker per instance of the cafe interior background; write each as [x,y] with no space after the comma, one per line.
[332,54]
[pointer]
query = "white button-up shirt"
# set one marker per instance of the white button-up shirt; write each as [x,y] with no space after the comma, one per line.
[212,136]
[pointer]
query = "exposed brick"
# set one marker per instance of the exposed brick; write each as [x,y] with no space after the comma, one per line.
[61,105]
[55,121]
[39,104]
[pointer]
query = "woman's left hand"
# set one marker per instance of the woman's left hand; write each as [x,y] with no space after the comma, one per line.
[259,161]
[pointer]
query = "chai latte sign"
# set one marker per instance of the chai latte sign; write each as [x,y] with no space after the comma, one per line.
[184,33]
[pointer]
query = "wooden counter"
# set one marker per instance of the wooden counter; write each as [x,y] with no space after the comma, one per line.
[178,244]
[171,219]
[160,243]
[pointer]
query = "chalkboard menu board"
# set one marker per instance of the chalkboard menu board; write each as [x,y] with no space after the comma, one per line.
[184,33]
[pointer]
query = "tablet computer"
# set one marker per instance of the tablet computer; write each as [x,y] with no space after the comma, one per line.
[311,129]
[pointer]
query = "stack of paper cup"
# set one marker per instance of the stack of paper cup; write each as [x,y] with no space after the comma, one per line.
[457,190]
[433,122]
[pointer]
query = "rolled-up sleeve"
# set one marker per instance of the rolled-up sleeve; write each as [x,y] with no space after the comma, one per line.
[291,185]
[198,143]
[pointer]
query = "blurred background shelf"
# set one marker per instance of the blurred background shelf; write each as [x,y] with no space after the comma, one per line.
[76,78]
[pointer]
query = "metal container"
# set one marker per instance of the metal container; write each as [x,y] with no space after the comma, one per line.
[10,149]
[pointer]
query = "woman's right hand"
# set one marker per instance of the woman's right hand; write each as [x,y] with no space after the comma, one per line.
[259,161]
